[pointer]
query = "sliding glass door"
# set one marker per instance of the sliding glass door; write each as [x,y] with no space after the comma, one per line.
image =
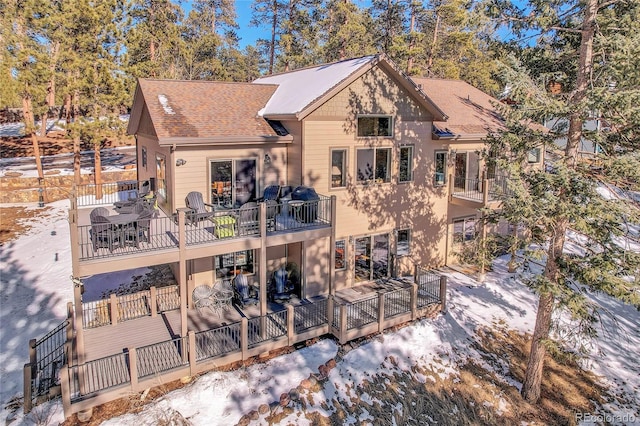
[371,257]
[233,182]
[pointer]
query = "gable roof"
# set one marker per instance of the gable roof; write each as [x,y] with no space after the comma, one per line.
[301,91]
[204,111]
[471,112]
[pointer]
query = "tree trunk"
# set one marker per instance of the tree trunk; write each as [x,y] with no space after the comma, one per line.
[98,171]
[29,126]
[434,42]
[272,46]
[412,39]
[50,99]
[533,375]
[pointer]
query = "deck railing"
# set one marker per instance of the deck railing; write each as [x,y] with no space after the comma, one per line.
[481,190]
[106,193]
[162,357]
[198,352]
[397,302]
[267,327]
[162,234]
[129,306]
[98,375]
[218,341]
[310,315]
[225,224]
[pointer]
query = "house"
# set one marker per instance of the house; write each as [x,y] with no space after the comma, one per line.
[376,176]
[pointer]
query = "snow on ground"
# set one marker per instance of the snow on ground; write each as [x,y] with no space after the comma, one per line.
[36,287]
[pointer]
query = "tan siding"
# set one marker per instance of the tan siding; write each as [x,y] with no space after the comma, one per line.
[294,153]
[380,208]
[194,175]
[316,267]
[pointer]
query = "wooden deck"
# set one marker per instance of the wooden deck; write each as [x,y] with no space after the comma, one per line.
[108,340]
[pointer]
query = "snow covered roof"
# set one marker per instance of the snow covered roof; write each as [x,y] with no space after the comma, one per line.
[297,89]
[300,91]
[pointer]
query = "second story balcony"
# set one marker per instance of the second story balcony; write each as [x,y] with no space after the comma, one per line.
[153,236]
[478,192]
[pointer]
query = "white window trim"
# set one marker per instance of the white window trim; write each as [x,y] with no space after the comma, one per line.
[344,255]
[435,162]
[397,233]
[345,167]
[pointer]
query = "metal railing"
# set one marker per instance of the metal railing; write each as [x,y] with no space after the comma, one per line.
[131,306]
[106,193]
[468,188]
[498,187]
[267,327]
[168,298]
[161,357]
[96,313]
[98,375]
[397,302]
[309,316]
[218,341]
[162,234]
[295,215]
[428,287]
[362,312]
[49,354]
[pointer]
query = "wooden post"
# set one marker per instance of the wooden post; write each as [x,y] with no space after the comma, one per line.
[153,303]
[263,259]
[343,324]
[485,189]
[443,293]
[113,308]
[33,356]
[133,369]
[291,331]
[78,321]
[416,271]
[332,247]
[182,270]
[414,301]
[450,186]
[380,312]
[192,353]
[65,390]
[68,343]
[244,337]
[28,396]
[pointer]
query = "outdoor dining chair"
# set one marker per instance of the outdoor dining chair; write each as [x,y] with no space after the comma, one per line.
[103,234]
[203,298]
[248,219]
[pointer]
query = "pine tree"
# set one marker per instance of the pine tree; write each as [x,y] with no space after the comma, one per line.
[268,13]
[600,81]
[344,31]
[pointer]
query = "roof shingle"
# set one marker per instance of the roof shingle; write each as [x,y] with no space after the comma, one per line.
[205,109]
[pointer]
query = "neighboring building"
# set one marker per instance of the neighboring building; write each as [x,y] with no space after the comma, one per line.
[397,181]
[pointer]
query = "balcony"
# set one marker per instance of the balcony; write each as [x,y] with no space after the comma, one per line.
[168,234]
[486,192]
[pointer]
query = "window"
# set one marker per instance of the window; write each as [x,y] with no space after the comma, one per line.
[440,177]
[533,156]
[371,257]
[464,230]
[373,164]
[338,168]
[402,242]
[340,254]
[406,164]
[231,264]
[144,157]
[161,174]
[375,126]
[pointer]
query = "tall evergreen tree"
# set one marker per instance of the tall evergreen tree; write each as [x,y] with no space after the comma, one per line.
[600,82]
[268,13]
[345,31]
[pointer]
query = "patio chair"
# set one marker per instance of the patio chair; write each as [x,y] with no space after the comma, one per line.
[281,282]
[271,192]
[198,208]
[98,211]
[223,295]
[138,231]
[143,193]
[203,298]
[248,219]
[103,234]
[243,293]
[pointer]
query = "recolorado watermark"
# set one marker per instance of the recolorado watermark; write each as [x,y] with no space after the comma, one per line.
[607,418]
